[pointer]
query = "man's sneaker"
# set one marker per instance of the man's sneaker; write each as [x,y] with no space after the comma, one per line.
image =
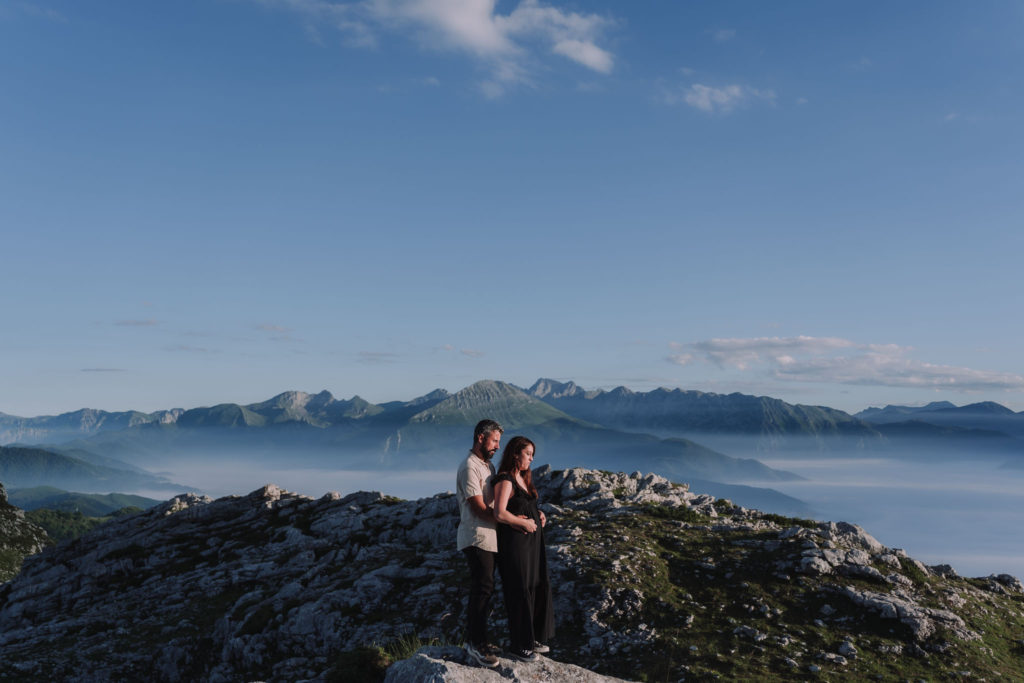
[481,656]
[491,649]
[540,648]
[523,655]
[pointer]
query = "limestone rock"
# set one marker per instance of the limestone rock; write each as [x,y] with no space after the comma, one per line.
[450,665]
[278,586]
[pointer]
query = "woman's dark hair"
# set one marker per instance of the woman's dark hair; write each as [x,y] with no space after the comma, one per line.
[515,446]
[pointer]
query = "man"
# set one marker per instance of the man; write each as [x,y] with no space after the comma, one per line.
[477,536]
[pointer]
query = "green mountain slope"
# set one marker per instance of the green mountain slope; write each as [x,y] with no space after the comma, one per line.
[89,504]
[29,467]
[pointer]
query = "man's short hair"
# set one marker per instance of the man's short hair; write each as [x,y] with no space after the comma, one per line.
[486,427]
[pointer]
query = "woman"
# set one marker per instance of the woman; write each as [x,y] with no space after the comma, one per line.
[521,556]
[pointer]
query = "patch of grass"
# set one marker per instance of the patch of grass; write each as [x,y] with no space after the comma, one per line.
[361,665]
[677,513]
[258,621]
[784,521]
[369,664]
[10,563]
[913,572]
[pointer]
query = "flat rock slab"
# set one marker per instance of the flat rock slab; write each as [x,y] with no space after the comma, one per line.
[451,665]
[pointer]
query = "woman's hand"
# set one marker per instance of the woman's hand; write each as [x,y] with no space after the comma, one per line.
[527,525]
[543,519]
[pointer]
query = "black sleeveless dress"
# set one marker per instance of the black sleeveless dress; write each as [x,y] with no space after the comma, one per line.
[523,563]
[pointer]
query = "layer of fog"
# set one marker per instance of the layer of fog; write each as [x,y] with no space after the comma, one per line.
[217,479]
[966,514]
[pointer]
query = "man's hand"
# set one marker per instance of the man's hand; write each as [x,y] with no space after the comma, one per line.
[477,506]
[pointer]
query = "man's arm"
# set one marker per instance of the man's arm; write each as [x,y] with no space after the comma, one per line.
[477,507]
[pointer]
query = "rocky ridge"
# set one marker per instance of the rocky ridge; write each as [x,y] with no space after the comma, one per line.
[652,581]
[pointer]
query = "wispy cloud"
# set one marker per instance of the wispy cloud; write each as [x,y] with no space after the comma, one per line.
[185,348]
[507,46]
[840,361]
[35,10]
[374,357]
[469,353]
[103,370]
[278,333]
[862,64]
[717,99]
[137,323]
[723,35]
[266,327]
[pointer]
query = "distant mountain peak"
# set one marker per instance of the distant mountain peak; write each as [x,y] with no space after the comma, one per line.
[492,399]
[549,388]
[986,407]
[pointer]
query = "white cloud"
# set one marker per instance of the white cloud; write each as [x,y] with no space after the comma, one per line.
[681,358]
[585,53]
[723,35]
[720,100]
[506,44]
[840,361]
[472,353]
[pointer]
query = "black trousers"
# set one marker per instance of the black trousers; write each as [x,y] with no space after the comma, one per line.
[481,586]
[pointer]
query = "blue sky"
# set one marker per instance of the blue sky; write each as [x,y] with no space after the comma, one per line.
[217,200]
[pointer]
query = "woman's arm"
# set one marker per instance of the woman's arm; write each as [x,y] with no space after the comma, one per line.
[502,493]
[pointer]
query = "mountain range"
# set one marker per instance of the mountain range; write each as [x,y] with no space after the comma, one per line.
[680,434]
[984,416]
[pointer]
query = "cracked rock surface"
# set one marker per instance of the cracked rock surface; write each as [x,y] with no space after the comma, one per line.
[651,581]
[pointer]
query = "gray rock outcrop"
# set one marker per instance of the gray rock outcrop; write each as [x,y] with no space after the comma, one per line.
[650,581]
[450,665]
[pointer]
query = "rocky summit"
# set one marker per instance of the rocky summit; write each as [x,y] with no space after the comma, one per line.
[651,581]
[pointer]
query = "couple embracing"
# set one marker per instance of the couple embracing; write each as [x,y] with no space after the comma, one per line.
[500,524]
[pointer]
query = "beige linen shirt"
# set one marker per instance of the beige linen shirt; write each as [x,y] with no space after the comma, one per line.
[474,479]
